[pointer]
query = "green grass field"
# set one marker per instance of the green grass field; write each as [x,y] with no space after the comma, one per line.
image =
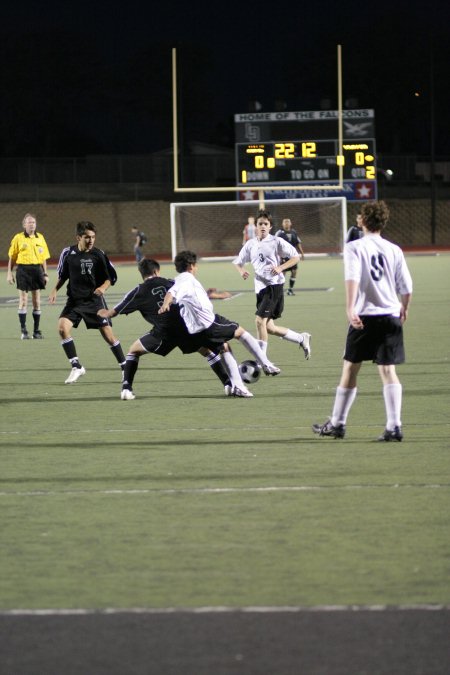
[186,498]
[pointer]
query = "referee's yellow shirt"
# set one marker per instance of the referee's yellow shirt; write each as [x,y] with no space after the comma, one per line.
[28,250]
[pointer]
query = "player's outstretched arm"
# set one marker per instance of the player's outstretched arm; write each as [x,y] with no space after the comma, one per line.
[168,299]
[107,313]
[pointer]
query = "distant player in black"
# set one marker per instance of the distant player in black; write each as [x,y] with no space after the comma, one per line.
[356,231]
[140,238]
[288,233]
[169,330]
[89,274]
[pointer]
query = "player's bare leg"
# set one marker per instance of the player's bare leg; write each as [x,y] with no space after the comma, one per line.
[302,339]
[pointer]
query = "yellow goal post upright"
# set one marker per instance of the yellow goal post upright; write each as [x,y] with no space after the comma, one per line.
[199,226]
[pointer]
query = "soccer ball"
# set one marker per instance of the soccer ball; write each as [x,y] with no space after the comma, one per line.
[250,371]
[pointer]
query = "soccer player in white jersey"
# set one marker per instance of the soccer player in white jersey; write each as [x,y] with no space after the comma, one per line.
[270,256]
[376,275]
[212,330]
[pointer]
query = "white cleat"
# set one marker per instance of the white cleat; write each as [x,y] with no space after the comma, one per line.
[271,369]
[127,395]
[306,344]
[242,392]
[228,389]
[75,375]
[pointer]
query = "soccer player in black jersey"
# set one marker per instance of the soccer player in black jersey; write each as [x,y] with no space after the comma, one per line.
[89,274]
[288,233]
[169,330]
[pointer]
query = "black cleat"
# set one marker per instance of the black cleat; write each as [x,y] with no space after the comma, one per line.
[327,429]
[37,335]
[394,434]
[25,335]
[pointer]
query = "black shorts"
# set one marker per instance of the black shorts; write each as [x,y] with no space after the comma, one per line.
[270,302]
[220,331]
[30,277]
[380,341]
[75,310]
[290,269]
[157,342]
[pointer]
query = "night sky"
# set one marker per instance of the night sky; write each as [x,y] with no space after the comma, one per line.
[95,77]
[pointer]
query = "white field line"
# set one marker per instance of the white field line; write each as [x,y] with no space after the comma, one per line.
[225,490]
[228,428]
[225,610]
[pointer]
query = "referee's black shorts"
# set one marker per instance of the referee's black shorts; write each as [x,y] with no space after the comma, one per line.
[270,302]
[380,341]
[30,277]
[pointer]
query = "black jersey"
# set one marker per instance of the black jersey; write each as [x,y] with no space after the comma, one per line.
[290,236]
[85,271]
[147,298]
[354,233]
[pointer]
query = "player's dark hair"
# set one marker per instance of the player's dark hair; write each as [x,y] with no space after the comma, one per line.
[262,213]
[147,267]
[375,215]
[83,226]
[183,260]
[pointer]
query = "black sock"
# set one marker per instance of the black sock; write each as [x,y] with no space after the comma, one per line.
[23,319]
[69,349]
[129,371]
[117,350]
[217,366]
[36,319]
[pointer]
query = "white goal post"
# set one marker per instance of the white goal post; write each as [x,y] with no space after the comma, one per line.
[215,229]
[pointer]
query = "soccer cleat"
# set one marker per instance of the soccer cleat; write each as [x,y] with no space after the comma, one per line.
[306,344]
[242,392]
[394,434]
[271,369]
[228,389]
[290,292]
[127,395]
[327,429]
[37,335]
[25,335]
[75,375]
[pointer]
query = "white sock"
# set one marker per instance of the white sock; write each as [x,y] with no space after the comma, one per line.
[263,345]
[252,345]
[342,404]
[233,370]
[292,336]
[392,394]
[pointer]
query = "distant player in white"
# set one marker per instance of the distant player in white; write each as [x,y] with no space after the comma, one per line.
[270,256]
[375,275]
[212,330]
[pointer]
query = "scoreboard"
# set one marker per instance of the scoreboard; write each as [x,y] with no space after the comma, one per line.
[301,149]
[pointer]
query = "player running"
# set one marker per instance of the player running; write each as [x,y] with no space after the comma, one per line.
[266,253]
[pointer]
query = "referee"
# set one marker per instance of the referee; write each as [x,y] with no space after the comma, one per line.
[29,252]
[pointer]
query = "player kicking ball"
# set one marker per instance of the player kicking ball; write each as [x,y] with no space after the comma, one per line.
[210,330]
[168,332]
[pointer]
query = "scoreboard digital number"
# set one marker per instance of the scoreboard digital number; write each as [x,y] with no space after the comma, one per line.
[303,161]
[311,154]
